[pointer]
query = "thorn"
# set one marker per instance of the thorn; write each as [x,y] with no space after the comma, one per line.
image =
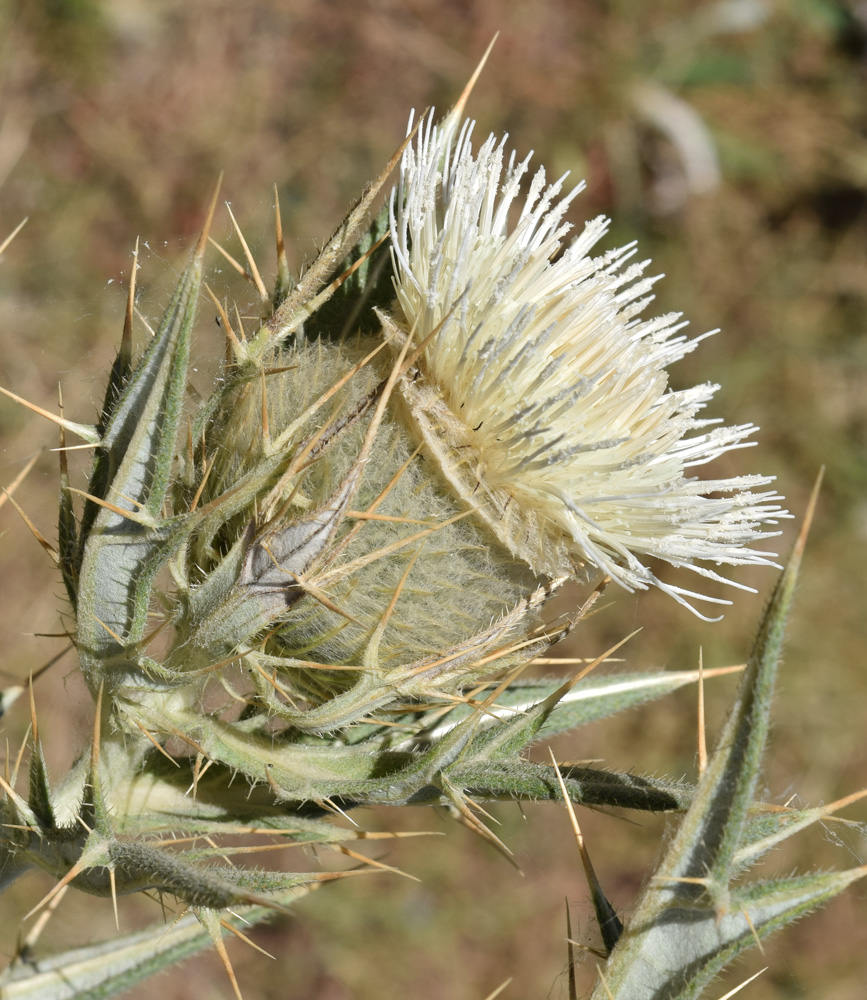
[201,671]
[232,342]
[746,982]
[129,515]
[209,218]
[234,930]
[37,534]
[372,649]
[327,803]
[13,234]
[240,322]
[224,958]
[554,698]
[19,803]
[255,277]
[146,640]
[363,515]
[110,631]
[847,800]
[224,852]
[544,661]
[801,541]
[76,447]
[283,278]
[354,476]
[751,926]
[330,289]
[464,816]
[175,841]
[315,879]
[604,983]
[736,668]
[73,872]
[587,950]
[682,880]
[125,351]
[33,723]
[201,487]
[702,729]
[213,844]
[18,480]
[235,264]
[347,569]
[610,925]
[297,305]
[162,901]
[342,849]
[312,589]
[97,733]
[272,680]
[499,989]
[372,720]
[145,323]
[389,486]
[113,883]
[198,773]
[393,835]
[291,430]
[422,346]
[570,954]
[504,651]
[63,458]
[457,112]
[266,431]
[86,432]
[129,499]
[20,757]
[157,744]
[36,930]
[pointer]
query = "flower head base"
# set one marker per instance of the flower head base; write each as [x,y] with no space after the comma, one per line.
[545,396]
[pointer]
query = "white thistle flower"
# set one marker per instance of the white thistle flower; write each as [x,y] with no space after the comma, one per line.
[544,396]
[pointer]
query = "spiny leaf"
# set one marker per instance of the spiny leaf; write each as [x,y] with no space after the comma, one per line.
[592,787]
[134,462]
[710,939]
[107,969]
[680,923]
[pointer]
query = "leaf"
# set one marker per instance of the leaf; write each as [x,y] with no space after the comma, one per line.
[107,969]
[689,921]
[119,533]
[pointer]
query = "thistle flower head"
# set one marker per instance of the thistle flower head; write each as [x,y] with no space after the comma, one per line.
[545,394]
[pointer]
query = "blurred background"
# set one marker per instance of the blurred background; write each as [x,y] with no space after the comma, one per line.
[728,137]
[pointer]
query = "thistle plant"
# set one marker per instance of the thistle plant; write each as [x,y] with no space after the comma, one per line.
[317,586]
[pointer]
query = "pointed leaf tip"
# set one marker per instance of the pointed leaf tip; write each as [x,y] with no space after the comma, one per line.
[202,242]
[812,503]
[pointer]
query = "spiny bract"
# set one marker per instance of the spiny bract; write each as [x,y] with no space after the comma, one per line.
[316,588]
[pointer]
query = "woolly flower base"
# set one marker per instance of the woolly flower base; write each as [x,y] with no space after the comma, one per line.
[544,395]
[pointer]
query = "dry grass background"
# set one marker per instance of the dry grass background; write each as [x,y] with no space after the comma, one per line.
[115,118]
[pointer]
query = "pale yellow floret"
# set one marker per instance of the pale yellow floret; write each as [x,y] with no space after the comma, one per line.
[544,395]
